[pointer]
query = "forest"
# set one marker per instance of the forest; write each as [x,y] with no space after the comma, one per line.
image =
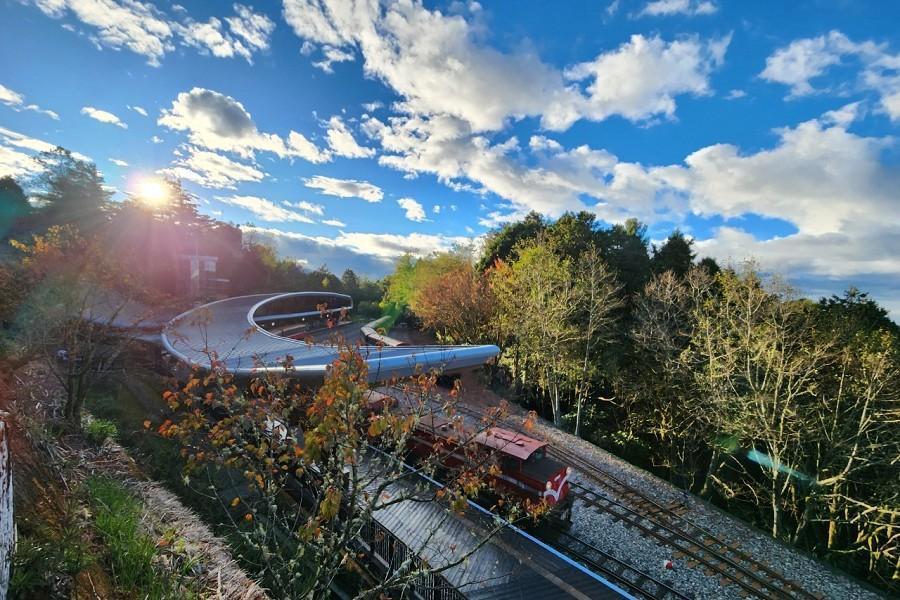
[723,380]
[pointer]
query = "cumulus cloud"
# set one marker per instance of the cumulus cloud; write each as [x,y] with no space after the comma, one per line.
[664,8]
[802,61]
[414,210]
[345,188]
[103,116]
[219,122]
[16,101]
[342,141]
[212,170]
[264,209]
[371,254]
[438,65]
[641,78]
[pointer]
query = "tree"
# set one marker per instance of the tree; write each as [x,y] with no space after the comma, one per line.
[598,299]
[350,281]
[757,363]
[572,234]
[624,248]
[80,302]
[539,303]
[71,190]
[13,203]
[675,255]
[501,244]
[460,306]
[661,403]
[338,457]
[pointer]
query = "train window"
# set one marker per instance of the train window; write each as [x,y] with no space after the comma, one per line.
[536,456]
[510,464]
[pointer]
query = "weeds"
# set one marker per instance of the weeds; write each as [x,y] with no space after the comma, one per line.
[132,555]
[98,431]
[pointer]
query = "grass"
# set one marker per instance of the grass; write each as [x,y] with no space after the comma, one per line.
[98,431]
[130,553]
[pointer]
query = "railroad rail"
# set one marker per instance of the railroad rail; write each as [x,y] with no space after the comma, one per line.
[667,526]
[636,582]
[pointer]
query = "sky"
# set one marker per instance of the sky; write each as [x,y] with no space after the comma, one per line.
[348,133]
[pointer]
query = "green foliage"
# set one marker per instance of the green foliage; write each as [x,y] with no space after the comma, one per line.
[130,553]
[117,516]
[13,203]
[675,254]
[98,431]
[43,553]
[501,244]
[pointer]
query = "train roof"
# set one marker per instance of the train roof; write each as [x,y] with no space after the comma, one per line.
[510,442]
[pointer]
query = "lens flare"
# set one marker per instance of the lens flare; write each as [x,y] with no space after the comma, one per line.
[152,191]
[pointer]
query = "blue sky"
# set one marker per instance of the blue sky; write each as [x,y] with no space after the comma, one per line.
[347,133]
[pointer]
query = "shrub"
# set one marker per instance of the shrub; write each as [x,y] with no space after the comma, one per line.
[98,431]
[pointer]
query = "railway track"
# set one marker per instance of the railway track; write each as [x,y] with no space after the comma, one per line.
[639,584]
[667,526]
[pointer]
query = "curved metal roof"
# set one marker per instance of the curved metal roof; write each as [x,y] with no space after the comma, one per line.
[227,331]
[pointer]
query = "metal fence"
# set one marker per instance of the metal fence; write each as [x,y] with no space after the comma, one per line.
[386,553]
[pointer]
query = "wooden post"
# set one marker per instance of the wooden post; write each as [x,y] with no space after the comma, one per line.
[6,510]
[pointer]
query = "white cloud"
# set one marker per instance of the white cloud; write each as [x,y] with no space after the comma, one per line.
[345,188]
[438,64]
[342,141]
[660,8]
[118,162]
[9,97]
[371,254]
[414,210]
[436,209]
[103,116]
[220,122]
[131,24]
[334,223]
[16,153]
[249,32]
[316,209]
[156,139]
[16,101]
[735,94]
[212,170]
[254,29]
[804,60]
[331,55]
[149,32]
[139,110]
[641,78]
[265,210]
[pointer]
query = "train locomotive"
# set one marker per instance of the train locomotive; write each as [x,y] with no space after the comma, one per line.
[525,468]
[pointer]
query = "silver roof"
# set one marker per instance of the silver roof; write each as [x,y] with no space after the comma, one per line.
[226,330]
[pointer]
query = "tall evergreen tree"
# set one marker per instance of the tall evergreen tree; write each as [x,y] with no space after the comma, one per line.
[675,254]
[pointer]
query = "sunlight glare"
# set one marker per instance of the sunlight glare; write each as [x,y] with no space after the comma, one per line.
[152,191]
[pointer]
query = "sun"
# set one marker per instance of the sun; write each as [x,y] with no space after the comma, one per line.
[152,191]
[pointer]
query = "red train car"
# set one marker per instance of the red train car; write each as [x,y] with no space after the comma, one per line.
[525,468]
